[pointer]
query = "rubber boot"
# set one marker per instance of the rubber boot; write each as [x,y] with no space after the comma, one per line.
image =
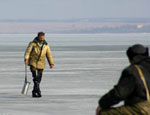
[36,90]
[34,94]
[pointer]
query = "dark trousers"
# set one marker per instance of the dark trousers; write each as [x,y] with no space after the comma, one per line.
[37,77]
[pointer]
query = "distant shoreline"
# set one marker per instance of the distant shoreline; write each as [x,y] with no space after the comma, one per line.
[78,26]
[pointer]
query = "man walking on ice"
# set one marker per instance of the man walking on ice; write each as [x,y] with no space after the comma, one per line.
[35,55]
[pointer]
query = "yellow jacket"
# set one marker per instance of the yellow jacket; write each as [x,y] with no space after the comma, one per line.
[36,55]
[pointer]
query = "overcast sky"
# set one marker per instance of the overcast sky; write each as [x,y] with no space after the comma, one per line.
[69,9]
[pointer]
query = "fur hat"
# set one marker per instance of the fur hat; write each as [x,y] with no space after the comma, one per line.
[137,49]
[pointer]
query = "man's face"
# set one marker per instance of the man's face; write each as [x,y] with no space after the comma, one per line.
[42,38]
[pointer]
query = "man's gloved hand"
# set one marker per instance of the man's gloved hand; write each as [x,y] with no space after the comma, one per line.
[51,66]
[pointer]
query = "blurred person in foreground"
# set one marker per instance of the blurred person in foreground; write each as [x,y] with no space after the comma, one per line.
[35,55]
[133,87]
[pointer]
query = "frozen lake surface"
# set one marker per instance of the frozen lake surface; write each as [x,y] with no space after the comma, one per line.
[86,67]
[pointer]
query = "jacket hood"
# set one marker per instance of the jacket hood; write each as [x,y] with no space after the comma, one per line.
[36,40]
